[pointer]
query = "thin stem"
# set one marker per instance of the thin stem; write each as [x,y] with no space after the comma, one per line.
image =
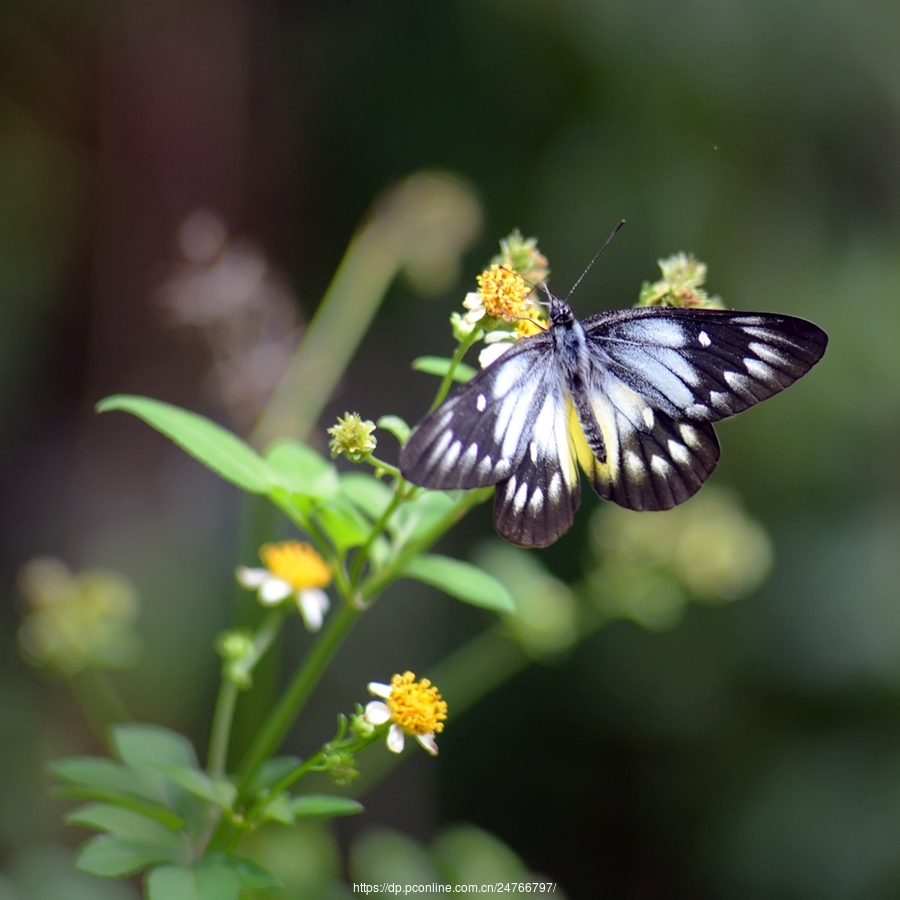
[229,690]
[457,358]
[296,694]
[400,495]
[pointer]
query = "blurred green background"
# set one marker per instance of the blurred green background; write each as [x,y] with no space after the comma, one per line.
[751,751]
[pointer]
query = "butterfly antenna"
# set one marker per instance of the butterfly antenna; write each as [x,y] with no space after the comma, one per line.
[615,231]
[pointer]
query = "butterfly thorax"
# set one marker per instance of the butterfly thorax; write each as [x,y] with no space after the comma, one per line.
[576,370]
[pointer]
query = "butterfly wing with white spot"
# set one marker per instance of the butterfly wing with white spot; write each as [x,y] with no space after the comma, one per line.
[703,364]
[479,435]
[660,376]
[537,503]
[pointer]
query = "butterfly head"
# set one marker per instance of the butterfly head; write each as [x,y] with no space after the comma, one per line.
[560,311]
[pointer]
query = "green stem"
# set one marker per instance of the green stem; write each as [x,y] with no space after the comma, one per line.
[229,690]
[399,496]
[296,694]
[457,358]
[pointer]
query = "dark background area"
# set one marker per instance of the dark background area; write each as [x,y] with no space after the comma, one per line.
[754,749]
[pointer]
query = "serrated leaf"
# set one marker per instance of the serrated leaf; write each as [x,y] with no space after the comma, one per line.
[439,365]
[251,874]
[211,444]
[111,857]
[325,805]
[271,772]
[366,493]
[300,470]
[219,793]
[396,426]
[126,824]
[461,580]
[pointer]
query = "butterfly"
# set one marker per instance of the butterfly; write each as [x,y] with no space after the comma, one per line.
[628,395]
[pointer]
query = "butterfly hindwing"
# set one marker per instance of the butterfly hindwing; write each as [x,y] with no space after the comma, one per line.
[702,364]
[653,461]
[479,435]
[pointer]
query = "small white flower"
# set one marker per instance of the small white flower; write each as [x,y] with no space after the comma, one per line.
[474,302]
[292,570]
[413,707]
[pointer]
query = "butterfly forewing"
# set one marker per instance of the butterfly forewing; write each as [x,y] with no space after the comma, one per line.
[703,364]
[478,436]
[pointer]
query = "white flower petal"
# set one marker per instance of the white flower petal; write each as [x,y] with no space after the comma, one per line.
[251,578]
[428,742]
[395,739]
[474,316]
[377,689]
[377,712]
[473,300]
[274,590]
[313,603]
[495,337]
[492,353]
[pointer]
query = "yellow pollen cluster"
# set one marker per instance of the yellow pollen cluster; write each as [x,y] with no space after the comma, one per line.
[503,292]
[528,327]
[416,706]
[297,564]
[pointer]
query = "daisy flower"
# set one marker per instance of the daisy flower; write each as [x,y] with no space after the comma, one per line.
[292,569]
[412,707]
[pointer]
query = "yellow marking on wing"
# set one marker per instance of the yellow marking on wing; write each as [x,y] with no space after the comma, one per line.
[595,470]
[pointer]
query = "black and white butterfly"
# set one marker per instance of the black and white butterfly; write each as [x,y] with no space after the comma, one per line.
[629,395]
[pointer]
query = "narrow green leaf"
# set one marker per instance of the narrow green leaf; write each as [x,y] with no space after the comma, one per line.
[141,745]
[396,426]
[366,493]
[111,857]
[251,874]
[103,775]
[324,805]
[439,365]
[155,811]
[300,470]
[220,793]
[126,824]
[216,447]
[461,580]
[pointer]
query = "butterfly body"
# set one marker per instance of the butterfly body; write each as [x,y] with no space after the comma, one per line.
[628,395]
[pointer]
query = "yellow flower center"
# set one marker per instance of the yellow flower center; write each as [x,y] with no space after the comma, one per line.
[528,327]
[297,564]
[416,706]
[503,292]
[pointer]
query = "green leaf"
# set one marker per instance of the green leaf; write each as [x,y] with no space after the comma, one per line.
[396,426]
[366,493]
[219,793]
[420,515]
[278,809]
[208,879]
[461,580]
[127,825]
[271,772]
[343,523]
[111,857]
[216,447]
[439,365]
[300,470]
[251,874]
[101,775]
[155,811]
[325,805]
[142,746]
